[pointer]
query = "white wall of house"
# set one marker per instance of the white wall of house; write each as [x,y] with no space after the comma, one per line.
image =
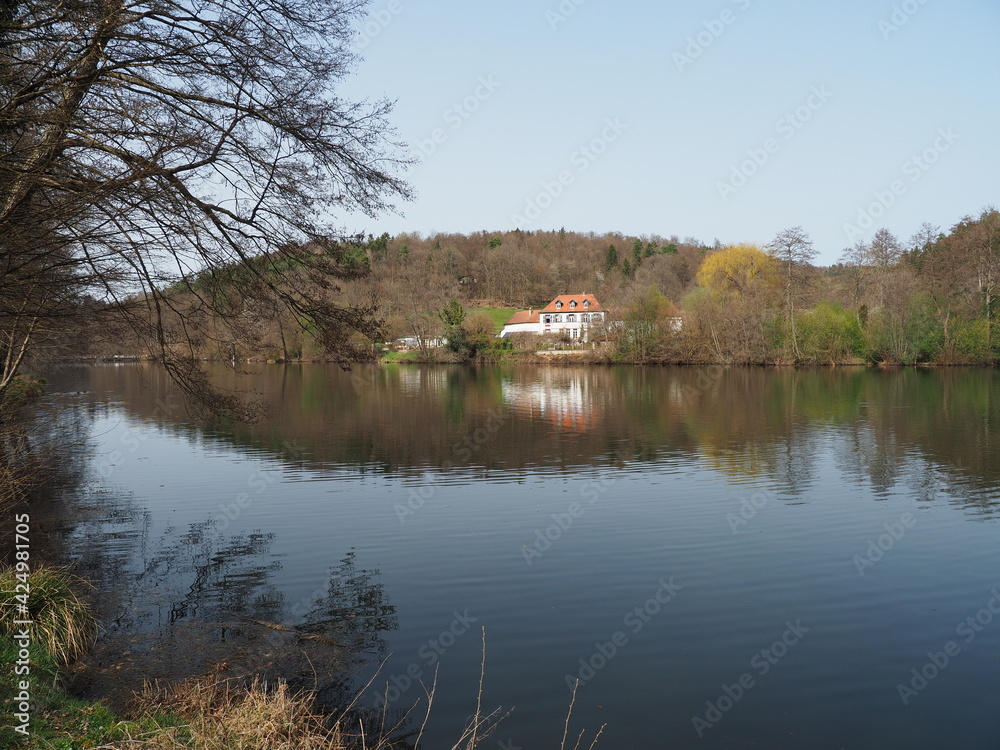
[519,328]
[577,325]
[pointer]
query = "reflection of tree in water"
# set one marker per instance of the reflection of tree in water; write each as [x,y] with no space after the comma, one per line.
[194,601]
[742,421]
[43,450]
[354,611]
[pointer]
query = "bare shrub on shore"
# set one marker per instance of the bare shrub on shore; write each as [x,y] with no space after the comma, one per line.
[229,715]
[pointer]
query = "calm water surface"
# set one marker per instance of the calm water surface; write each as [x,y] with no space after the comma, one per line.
[723,558]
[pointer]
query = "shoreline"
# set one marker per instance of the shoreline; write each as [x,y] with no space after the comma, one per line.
[557,357]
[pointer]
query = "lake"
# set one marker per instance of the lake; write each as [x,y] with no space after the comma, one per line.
[718,558]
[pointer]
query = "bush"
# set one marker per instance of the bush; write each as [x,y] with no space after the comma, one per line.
[24,388]
[905,334]
[830,334]
[524,341]
[62,622]
[971,340]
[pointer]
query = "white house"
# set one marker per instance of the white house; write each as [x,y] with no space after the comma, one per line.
[577,315]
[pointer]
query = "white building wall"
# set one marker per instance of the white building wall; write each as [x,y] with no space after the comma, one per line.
[577,327]
[519,328]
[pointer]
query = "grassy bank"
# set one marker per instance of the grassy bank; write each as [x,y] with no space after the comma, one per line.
[62,629]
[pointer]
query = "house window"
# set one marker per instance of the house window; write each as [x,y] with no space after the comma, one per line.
[586,303]
[573,304]
[559,305]
[557,318]
[548,319]
[573,333]
[571,318]
[584,318]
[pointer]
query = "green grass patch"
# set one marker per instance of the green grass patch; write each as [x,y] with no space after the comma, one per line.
[410,356]
[62,629]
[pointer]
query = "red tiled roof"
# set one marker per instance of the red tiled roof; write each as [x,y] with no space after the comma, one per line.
[524,316]
[595,306]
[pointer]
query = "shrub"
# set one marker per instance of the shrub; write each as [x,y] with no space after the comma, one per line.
[829,333]
[24,388]
[62,621]
[971,340]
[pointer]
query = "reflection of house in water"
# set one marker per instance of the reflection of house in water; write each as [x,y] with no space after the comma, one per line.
[414,380]
[561,397]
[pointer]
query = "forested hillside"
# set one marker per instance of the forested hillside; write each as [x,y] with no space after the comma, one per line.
[931,298]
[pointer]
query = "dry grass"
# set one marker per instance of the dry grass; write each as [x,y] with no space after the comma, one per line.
[61,620]
[221,715]
[227,715]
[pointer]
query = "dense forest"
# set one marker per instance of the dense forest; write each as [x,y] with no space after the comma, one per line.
[929,299]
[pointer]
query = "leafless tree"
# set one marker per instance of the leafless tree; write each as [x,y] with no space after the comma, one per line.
[873,265]
[144,142]
[793,249]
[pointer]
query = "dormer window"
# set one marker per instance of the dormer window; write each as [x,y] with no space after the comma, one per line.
[573,304]
[559,305]
[586,303]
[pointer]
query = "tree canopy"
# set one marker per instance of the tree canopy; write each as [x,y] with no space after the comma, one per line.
[737,270]
[146,141]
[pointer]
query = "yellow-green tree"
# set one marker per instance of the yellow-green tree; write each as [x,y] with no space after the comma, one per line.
[738,270]
[743,282]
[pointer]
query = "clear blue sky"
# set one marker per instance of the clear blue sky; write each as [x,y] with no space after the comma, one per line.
[729,119]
